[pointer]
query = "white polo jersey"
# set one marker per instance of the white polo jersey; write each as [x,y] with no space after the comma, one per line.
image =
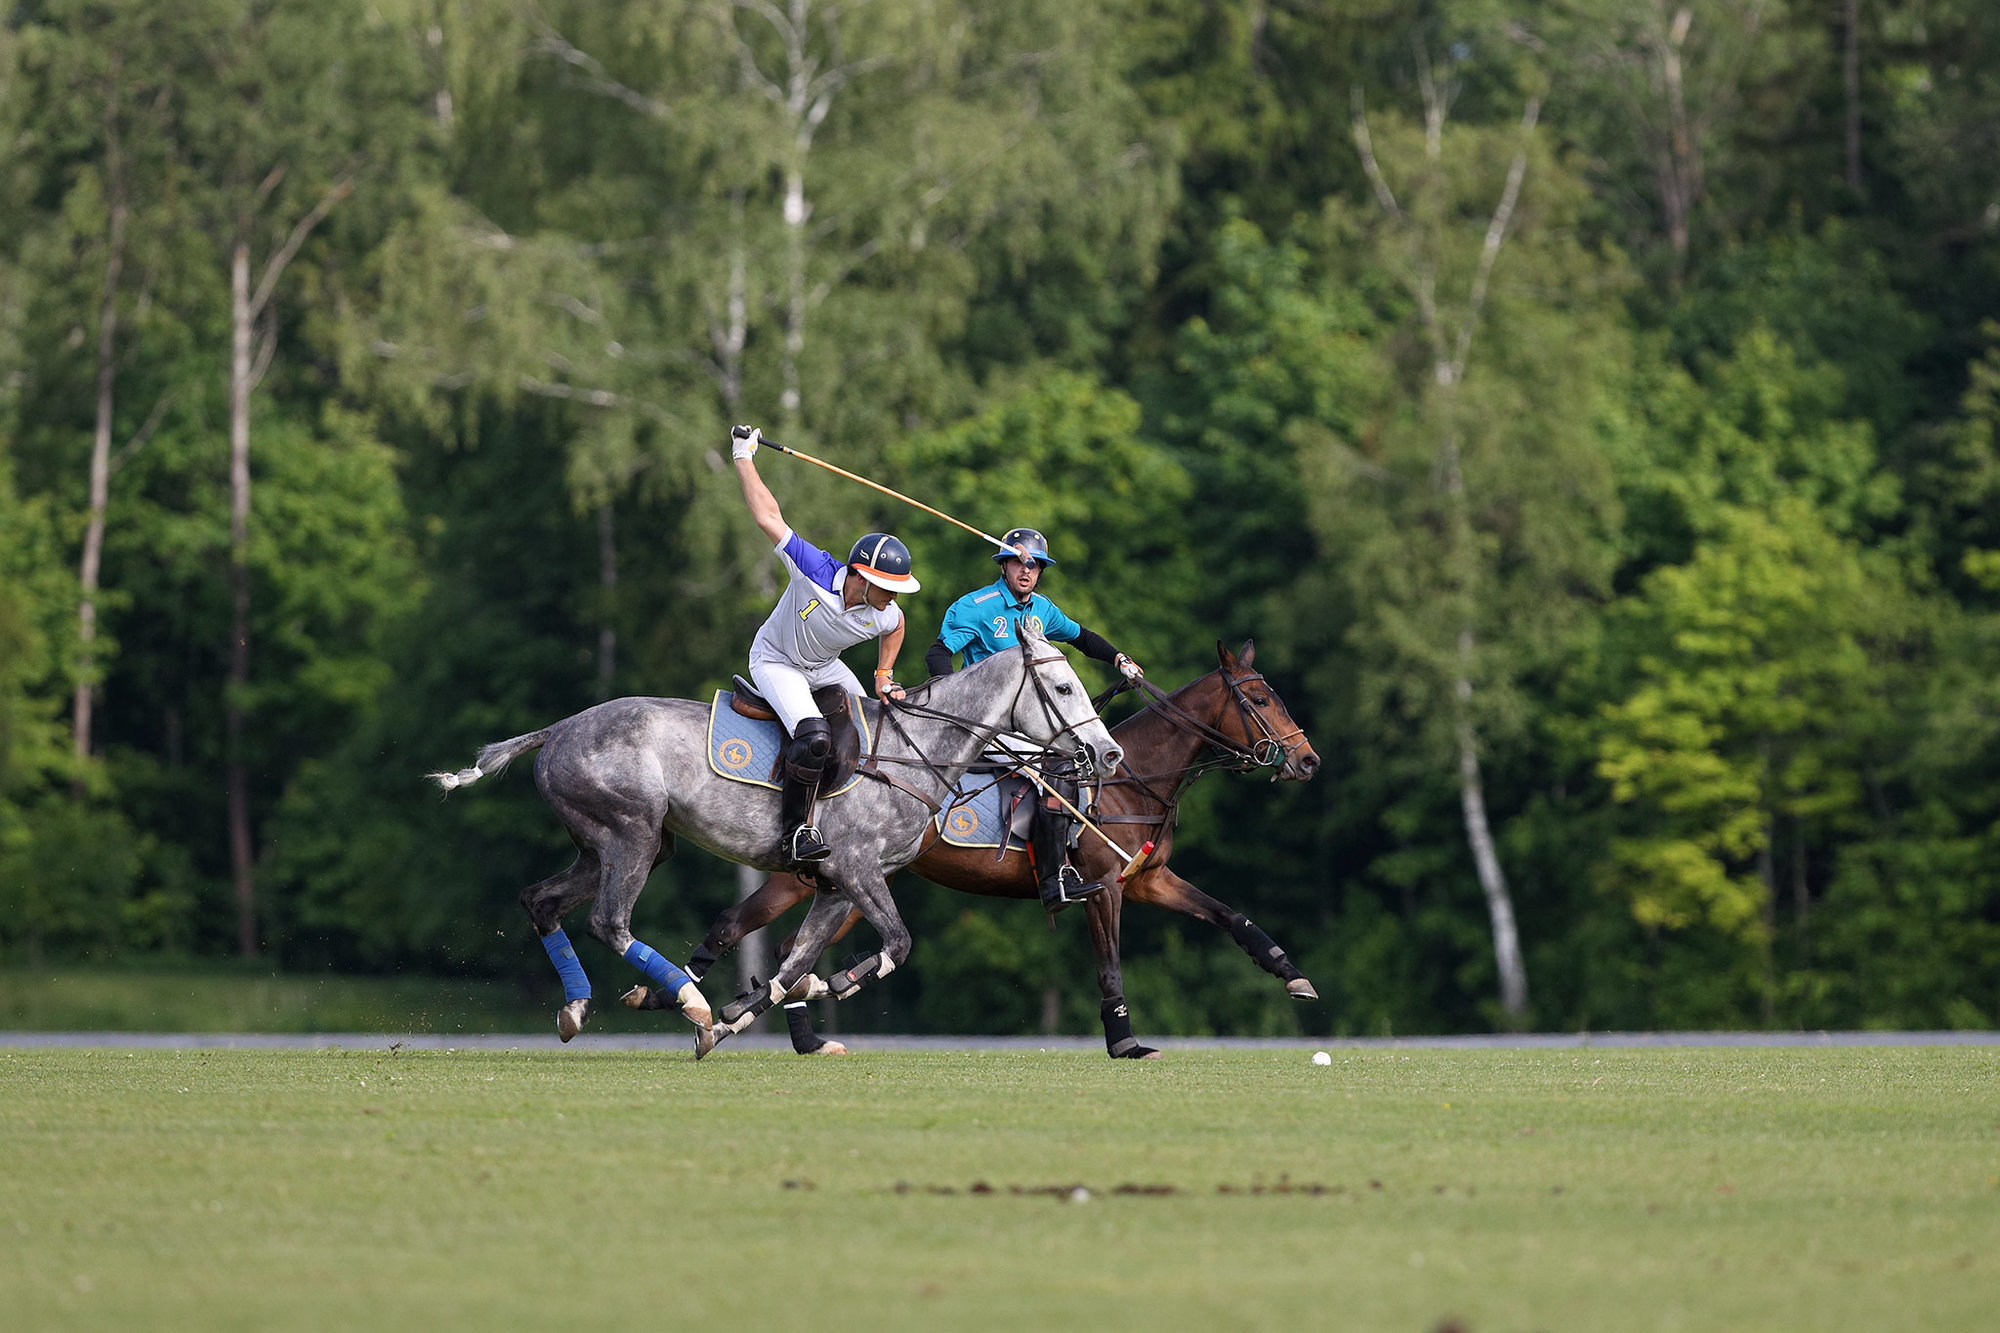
[809,627]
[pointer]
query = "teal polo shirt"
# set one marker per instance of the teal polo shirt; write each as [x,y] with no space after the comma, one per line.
[988,620]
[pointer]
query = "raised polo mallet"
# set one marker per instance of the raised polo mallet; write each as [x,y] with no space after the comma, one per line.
[743,433]
[1132,861]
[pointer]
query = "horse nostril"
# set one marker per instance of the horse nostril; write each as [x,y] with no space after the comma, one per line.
[1111,759]
[1309,765]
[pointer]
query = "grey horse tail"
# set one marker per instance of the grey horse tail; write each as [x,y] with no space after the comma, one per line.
[492,759]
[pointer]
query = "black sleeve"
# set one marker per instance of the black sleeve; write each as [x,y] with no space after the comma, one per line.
[1094,646]
[937,658]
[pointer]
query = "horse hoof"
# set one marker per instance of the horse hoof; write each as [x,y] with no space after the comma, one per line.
[569,1018]
[1150,1055]
[636,997]
[694,1006]
[705,1040]
[1301,989]
[830,1048]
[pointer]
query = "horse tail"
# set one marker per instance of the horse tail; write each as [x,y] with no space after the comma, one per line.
[492,759]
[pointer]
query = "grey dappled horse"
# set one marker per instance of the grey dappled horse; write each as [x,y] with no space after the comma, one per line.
[626,776]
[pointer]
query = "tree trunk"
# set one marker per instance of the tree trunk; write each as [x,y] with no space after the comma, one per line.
[1492,879]
[1471,788]
[239,595]
[607,584]
[1801,895]
[1851,81]
[100,444]
[796,213]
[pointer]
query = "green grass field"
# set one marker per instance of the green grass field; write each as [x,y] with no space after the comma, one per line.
[1659,1189]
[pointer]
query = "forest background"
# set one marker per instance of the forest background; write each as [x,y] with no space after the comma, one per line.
[1588,406]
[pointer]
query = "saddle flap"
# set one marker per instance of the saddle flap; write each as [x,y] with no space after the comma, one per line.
[833,704]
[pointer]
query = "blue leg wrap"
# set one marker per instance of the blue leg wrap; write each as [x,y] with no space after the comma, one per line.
[576,986]
[670,978]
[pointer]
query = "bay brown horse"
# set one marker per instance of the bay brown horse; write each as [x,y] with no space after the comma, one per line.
[1230,717]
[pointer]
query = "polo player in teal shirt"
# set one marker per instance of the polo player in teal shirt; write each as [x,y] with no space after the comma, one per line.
[988,620]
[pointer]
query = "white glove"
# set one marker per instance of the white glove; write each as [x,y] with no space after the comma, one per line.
[1127,667]
[742,447]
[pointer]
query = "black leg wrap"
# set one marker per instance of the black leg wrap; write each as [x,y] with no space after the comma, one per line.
[1261,947]
[753,1002]
[804,1040]
[700,961]
[852,974]
[1118,1038]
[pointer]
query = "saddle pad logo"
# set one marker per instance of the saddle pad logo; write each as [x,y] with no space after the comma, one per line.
[979,813]
[734,755]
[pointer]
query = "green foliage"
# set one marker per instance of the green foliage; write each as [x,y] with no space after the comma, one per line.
[1753,678]
[1693,553]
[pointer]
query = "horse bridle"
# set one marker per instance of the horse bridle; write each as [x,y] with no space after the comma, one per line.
[1267,750]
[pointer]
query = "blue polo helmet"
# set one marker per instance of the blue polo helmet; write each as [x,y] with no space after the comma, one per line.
[884,561]
[1028,543]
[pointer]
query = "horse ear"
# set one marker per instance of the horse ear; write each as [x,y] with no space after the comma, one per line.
[1222,655]
[1249,651]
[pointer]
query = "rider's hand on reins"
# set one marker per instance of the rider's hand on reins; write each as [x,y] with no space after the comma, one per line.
[1129,669]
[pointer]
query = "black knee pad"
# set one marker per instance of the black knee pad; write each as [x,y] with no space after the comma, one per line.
[812,742]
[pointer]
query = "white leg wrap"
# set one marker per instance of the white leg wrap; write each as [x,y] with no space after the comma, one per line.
[694,1005]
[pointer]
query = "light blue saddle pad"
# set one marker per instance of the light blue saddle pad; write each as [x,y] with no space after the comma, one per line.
[978,811]
[744,749]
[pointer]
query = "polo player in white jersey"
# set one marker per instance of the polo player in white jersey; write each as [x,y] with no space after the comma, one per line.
[826,607]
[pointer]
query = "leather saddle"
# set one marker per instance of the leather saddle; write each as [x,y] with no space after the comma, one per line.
[833,703]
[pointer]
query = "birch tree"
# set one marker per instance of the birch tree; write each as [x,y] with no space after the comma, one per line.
[1471,522]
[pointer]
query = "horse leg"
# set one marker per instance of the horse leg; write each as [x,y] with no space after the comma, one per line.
[798,1019]
[1163,888]
[775,897]
[1103,911]
[870,893]
[546,904]
[823,918]
[626,863]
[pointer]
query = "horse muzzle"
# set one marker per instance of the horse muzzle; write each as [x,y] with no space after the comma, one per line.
[1298,767]
[1103,763]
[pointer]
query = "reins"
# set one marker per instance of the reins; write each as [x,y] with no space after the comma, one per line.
[1269,750]
[892,709]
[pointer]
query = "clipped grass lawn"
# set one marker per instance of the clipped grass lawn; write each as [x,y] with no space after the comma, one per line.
[1699,1189]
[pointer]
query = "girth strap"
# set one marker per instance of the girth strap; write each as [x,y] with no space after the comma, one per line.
[869,768]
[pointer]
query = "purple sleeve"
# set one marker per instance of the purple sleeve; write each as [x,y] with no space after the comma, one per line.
[814,563]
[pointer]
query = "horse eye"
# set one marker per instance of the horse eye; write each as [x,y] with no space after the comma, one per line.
[1261,703]
[1062,690]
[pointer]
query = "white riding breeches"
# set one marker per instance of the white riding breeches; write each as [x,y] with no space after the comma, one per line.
[790,690]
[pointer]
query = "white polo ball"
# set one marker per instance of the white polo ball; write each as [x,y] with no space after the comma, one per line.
[1322,1058]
